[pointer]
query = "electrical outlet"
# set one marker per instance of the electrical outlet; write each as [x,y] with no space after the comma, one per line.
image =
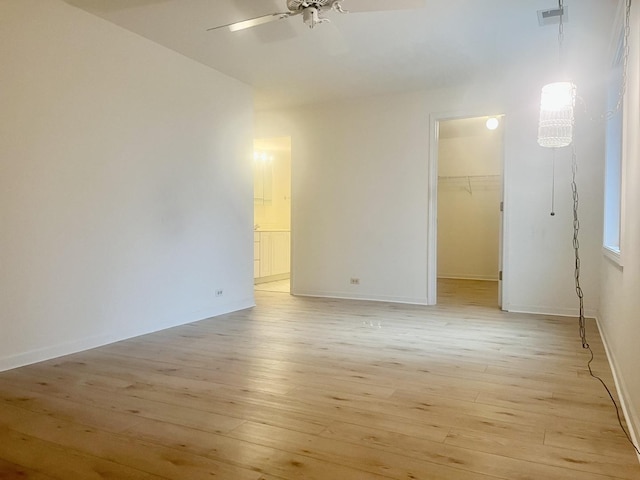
[355,281]
[219,292]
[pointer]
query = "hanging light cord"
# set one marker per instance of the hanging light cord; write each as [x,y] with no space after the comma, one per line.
[561,33]
[576,245]
[576,203]
[553,184]
[580,293]
[625,61]
[609,114]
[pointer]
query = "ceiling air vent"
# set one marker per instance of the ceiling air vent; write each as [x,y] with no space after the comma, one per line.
[552,16]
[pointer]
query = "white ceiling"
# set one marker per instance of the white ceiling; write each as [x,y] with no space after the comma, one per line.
[447,42]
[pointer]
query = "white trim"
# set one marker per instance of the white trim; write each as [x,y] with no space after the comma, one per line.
[630,414]
[503,286]
[614,255]
[616,27]
[292,216]
[68,348]
[432,210]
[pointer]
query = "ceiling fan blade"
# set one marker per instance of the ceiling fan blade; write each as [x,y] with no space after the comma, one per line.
[252,22]
[355,6]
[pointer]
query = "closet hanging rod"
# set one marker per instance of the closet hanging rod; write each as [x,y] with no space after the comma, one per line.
[461,177]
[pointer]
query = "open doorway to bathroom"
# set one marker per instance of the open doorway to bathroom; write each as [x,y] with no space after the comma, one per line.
[272,214]
[469,211]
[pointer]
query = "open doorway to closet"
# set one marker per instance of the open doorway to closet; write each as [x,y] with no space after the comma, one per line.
[469,211]
[272,214]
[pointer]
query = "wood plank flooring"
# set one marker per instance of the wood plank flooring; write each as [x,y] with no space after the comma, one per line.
[304,388]
[281,286]
[452,291]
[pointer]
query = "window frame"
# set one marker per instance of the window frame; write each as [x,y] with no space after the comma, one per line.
[614,168]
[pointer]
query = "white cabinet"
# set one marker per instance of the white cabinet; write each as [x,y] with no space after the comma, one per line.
[278,256]
[265,254]
[256,255]
[272,254]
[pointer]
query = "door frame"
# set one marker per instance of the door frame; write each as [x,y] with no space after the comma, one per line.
[432,209]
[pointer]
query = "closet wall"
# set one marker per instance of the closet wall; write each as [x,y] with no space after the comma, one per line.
[469,194]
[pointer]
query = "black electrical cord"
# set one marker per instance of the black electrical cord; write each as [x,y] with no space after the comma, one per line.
[580,293]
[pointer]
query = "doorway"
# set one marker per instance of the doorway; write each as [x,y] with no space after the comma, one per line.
[468,208]
[272,214]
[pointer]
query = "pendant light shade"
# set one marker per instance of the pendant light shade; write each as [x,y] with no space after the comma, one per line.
[557,103]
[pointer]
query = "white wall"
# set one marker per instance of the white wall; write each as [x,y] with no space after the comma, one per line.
[360,177]
[355,193]
[468,204]
[125,185]
[619,319]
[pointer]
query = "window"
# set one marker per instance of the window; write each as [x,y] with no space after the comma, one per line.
[613,156]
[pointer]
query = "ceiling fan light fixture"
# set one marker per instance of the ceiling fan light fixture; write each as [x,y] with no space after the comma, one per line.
[311,17]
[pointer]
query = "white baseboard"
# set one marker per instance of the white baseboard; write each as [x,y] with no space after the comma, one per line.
[87,343]
[543,310]
[363,297]
[630,414]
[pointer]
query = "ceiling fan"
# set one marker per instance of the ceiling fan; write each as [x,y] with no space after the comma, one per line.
[313,11]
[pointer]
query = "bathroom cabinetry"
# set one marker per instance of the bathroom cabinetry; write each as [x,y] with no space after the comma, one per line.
[271,255]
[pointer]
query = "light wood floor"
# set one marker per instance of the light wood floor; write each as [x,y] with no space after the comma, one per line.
[303,388]
[453,291]
[281,286]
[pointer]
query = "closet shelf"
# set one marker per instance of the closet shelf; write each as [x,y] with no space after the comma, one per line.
[468,182]
[471,177]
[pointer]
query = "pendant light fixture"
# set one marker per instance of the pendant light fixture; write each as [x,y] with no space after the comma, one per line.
[557,102]
[555,128]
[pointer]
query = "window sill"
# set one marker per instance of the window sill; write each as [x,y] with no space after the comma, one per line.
[613,254]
